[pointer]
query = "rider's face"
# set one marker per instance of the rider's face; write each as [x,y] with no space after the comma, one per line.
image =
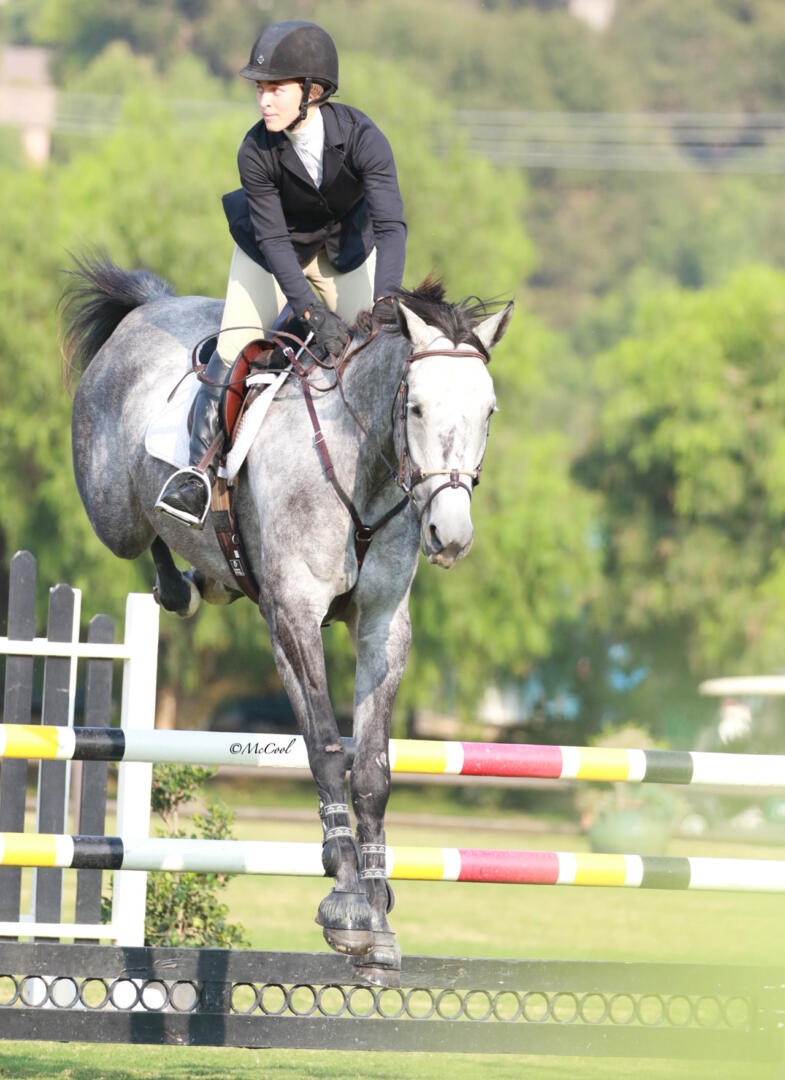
[279,102]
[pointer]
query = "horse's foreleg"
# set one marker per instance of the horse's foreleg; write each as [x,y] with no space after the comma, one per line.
[382,644]
[175,591]
[344,915]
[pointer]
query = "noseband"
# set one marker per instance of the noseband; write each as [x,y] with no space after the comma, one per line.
[409,474]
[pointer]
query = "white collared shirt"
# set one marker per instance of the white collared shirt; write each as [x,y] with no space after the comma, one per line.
[308,143]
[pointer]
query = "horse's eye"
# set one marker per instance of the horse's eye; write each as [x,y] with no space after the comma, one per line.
[415,410]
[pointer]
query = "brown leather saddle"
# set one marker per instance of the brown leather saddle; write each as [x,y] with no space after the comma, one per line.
[258,355]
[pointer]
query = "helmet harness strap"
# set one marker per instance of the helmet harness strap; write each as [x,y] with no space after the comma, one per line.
[306,101]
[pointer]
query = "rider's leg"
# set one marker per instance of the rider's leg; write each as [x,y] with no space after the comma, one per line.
[253,299]
[347,294]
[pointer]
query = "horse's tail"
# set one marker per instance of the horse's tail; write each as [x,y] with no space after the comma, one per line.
[93,305]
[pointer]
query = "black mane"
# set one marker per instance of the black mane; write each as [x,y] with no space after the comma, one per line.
[456,321]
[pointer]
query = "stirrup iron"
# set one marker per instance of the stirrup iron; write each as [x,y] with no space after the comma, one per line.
[191,520]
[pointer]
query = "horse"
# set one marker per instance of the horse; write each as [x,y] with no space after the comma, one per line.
[410,415]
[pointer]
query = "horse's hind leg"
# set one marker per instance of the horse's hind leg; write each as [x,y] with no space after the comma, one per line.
[175,591]
[382,643]
[345,914]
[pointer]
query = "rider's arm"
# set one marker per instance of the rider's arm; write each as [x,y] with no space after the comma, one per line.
[373,157]
[270,230]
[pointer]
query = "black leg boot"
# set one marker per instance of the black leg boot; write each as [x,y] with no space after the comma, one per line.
[186,495]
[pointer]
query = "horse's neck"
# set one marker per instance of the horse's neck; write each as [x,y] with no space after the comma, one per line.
[370,383]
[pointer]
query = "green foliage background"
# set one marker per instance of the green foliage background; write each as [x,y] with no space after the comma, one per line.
[633,486]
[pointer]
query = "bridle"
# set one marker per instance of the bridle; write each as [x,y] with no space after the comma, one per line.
[408,474]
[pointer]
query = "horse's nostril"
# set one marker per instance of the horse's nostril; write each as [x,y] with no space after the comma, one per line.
[436,543]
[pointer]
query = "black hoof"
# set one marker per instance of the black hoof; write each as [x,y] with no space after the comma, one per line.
[379,976]
[384,954]
[383,959]
[345,919]
[181,598]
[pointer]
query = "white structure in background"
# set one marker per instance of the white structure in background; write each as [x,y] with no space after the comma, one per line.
[597,13]
[139,653]
[27,98]
[736,716]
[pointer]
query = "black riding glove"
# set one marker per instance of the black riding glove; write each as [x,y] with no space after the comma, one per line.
[329,332]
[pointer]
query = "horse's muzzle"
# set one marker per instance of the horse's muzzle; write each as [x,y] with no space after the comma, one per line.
[445,542]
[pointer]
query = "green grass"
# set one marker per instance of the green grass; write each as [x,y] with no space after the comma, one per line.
[443,918]
[87,1062]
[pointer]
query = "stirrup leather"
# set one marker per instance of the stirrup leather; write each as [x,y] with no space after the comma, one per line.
[192,520]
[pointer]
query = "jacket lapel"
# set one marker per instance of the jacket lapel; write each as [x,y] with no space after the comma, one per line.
[291,161]
[333,147]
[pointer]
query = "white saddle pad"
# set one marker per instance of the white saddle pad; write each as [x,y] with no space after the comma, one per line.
[167,436]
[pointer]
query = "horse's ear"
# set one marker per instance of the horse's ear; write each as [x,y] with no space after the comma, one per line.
[412,326]
[491,330]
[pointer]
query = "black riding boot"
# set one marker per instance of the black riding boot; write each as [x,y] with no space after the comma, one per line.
[186,495]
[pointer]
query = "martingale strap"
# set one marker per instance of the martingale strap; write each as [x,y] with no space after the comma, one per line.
[363,534]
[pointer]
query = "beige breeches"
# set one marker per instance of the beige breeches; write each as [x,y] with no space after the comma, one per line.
[254,298]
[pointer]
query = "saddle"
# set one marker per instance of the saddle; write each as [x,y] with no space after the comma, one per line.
[258,357]
[263,359]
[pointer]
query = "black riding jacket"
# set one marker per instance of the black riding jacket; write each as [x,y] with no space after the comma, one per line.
[281,219]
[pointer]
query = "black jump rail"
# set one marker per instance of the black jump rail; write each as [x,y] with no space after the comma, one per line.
[214,997]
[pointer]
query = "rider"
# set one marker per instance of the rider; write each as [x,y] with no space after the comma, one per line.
[319,206]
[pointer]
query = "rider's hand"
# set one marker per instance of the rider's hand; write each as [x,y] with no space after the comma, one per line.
[329,332]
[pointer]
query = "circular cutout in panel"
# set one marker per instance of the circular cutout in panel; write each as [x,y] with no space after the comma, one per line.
[737,1011]
[361,1001]
[478,1005]
[708,1012]
[594,1008]
[154,995]
[273,1000]
[391,1003]
[302,1000]
[621,1009]
[564,1007]
[420,1004]
[245,998]
[507,1006]
[679,1010]
[331,1000]
[63,992]
[449,1005]
[184,996]
[33,991]
[9,990]
[124,994]
[94,993]
[536,1007]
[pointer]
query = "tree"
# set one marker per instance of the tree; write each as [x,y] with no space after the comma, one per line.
[689,457]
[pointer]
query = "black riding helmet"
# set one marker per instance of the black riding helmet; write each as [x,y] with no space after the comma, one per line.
[295,49]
